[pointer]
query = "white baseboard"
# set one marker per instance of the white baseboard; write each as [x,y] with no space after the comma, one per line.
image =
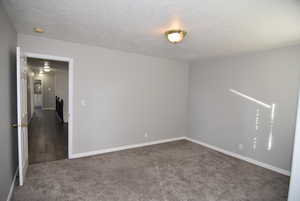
[12,186]
[102,151]
[229,153]
[235,155]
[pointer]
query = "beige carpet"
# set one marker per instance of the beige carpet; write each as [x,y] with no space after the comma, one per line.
[176,171]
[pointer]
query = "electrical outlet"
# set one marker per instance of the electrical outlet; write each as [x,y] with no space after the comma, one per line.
[146,134]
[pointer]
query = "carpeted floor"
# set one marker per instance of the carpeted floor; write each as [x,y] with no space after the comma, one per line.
[176,171]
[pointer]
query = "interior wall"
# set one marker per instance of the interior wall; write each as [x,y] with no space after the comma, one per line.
[120,98]
[48,85]
[8,110]
[229,101]
[48,89]
[37,97]
[62,88]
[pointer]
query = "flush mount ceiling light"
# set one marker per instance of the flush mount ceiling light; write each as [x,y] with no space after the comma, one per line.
[38,30]
[46,66]
[175,36]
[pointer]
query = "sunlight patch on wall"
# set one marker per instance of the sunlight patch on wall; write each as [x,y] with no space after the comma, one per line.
[271,107]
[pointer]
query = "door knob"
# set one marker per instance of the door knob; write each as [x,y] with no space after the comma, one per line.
[16,125]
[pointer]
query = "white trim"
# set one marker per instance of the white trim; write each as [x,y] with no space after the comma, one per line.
[71,106]
[50,57]
[22,167]
[232,154]
[235,155]
[102,151]
[70,87]
[12,186]
[294,193]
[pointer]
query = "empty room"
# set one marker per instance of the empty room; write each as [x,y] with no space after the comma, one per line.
[149,100]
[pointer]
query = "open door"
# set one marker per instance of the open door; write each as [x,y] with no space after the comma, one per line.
[294,190]
[22,115]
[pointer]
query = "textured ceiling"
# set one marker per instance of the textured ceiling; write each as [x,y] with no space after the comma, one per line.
[215,27]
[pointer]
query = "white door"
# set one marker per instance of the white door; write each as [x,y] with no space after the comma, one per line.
[294,191]
[22,115]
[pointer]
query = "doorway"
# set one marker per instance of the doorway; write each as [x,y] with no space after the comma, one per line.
[47,109]
[25,87]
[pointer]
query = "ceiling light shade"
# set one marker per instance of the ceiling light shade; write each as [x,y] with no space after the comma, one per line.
[38,30]
[46,64]
[175,36]
[47,67]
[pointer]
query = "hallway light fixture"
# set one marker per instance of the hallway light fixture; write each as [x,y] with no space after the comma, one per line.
[175,36]
[47,67]
[46,64]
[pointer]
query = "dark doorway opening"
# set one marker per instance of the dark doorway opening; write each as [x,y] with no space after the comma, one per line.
[47,103]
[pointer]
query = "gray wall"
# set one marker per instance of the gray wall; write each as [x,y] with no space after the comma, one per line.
[48,85]
[236,123]
[8,135]
[119,96]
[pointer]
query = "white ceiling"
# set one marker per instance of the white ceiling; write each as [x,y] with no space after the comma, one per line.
[215,27]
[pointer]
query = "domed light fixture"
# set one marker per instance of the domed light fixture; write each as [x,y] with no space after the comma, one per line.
[47,67]
[38,30]
[175,36]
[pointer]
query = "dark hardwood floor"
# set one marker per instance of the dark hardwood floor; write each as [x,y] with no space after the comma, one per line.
[47,137]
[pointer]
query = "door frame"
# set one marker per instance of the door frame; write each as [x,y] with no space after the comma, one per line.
[295,174]
[70,91]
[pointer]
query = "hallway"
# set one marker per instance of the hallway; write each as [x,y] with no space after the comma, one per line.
[47,137]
